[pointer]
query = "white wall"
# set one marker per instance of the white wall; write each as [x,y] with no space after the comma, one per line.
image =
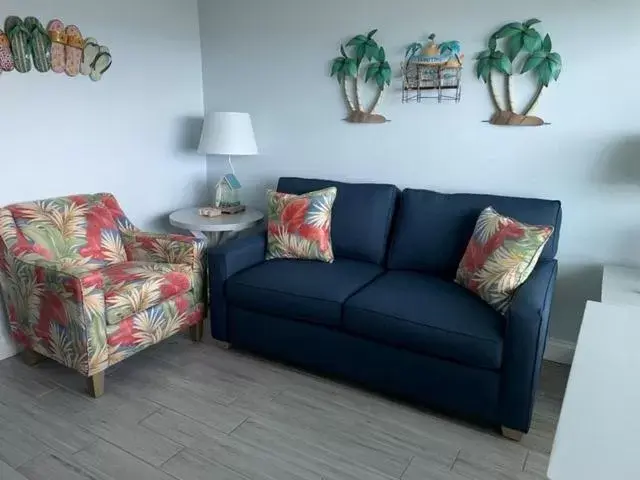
[132,134]
[271,59]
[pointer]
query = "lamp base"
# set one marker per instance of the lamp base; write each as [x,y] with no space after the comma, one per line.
[228,192]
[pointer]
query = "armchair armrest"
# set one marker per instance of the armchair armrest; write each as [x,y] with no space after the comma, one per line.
[58,311]
[169,248]
[164,248]
[224,262]
[524,344]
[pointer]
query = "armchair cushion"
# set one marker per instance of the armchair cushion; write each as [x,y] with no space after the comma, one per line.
[428,315]
[300,289]
[78,230]
[150,326]
[133,287]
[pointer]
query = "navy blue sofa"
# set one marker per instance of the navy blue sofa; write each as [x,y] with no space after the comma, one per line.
[387,313]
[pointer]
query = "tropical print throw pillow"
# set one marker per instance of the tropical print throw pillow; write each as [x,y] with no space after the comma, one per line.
[300,225]
[500,257]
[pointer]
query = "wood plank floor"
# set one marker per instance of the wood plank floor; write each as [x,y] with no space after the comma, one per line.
[194,411]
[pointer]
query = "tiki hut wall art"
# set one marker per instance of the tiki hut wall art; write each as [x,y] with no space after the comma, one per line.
[432,70]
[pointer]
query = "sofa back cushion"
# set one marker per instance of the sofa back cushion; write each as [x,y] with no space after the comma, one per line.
[432,230]
[361,218]
[76,230]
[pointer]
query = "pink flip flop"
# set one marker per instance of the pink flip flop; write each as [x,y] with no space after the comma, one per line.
[73,50]
[6,59]
[58,42]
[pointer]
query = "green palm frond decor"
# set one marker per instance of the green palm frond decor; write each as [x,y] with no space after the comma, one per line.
[526,52]
[368,59]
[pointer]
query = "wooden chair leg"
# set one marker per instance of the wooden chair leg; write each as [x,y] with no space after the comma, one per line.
[95,385]
[31,358]
[196,332]
[511,434]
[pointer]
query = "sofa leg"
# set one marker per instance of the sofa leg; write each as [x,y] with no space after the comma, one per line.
[511,434]
[222,345]
[196,332]
[95,385]
[31,358]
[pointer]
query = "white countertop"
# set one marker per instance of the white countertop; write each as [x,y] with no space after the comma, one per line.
[599,429]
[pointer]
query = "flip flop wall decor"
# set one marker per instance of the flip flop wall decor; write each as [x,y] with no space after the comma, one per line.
[40,44]
[6,58]
[73,50]
[58,41]
[89,54]
[19,40]
[101,64]
[59,48]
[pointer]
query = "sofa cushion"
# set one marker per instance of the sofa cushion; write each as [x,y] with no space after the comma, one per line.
[432,230]
[428,315]
[361,218]
[300,289]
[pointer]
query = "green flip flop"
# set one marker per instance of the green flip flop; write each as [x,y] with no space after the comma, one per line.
[19,38]
[101,64]
[89,54]
[40,44]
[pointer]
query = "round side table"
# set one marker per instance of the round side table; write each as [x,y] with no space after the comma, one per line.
[216,230]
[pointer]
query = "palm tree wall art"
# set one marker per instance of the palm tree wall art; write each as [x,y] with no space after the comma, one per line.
[526,52]
[367,59]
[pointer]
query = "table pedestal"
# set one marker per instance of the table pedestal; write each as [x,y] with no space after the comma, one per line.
[215,239]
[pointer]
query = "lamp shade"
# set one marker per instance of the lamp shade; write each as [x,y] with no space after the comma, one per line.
[228,133]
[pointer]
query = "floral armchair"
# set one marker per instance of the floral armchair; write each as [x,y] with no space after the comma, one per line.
[86,288]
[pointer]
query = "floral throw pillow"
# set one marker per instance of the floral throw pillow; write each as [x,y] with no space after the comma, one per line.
[500,257]
[300,225]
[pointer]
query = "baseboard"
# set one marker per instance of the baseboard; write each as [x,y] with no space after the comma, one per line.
[7,347]
[560,351]
[7,351]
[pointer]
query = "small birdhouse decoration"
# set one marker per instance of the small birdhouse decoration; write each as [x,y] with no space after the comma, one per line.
[228,192]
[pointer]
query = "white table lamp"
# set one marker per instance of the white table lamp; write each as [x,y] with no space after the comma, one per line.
[229,134]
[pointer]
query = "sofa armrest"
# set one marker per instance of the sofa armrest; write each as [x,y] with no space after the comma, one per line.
[524,344]
[224,262]
[57,311]
[164,248]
